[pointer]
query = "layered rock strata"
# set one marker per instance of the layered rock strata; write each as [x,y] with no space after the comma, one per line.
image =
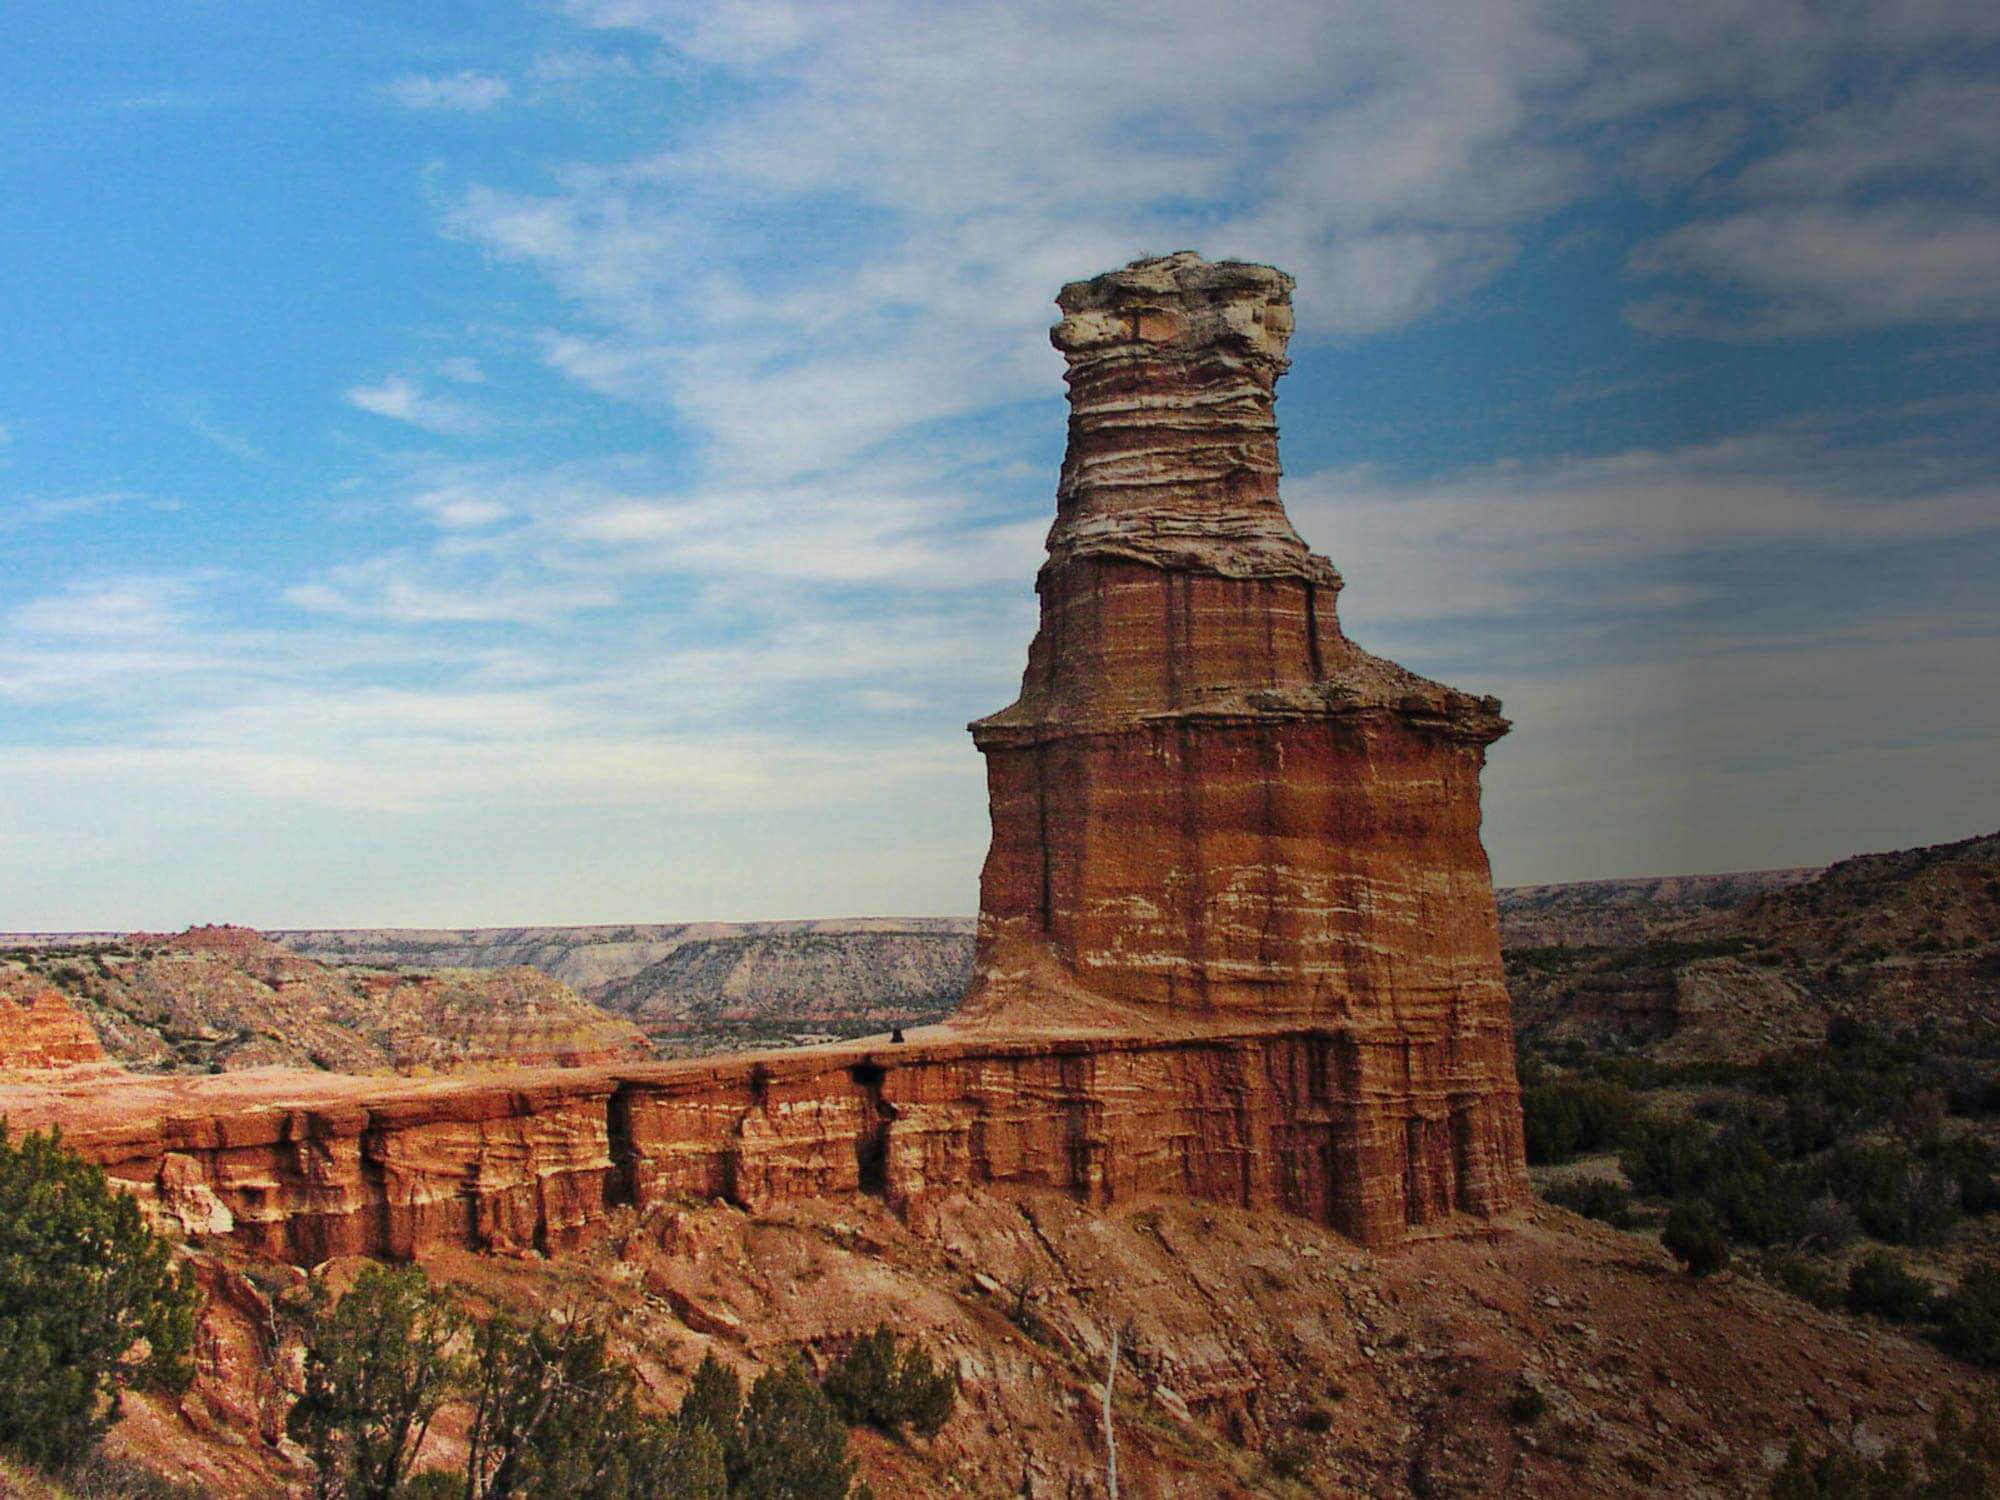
[1210,808]
[302,1166]
[42,1033]
[226,998]
[1208,804]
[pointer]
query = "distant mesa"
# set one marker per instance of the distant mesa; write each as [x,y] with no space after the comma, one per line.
[226,998]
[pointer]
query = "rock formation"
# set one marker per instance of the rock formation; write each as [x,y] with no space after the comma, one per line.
[1909,937]
[43,1033]
[1210,808]
[301,1166]
[1208,804]
[1237,937]
[225,998]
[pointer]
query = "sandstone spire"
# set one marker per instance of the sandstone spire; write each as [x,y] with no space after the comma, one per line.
[1209,806]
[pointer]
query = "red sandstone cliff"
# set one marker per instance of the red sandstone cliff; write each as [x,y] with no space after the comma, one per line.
[43,1033]
[1210,808]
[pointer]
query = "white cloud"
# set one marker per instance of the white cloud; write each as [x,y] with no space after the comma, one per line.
[463,92]
[949,169]
[1820,267]
[134,606]
[1596,535]
[18,512]
[1938,122]
[400,400]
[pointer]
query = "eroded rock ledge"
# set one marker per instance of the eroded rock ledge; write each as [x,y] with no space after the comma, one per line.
[1367,1134]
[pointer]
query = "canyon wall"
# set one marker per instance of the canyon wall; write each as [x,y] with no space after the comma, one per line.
[300,1167]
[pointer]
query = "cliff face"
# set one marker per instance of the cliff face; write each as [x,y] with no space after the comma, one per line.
[1208,804]
[1600,913]
[302,1167]
[1905,938]
[43,1033]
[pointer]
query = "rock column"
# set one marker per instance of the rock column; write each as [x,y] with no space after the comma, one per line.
[1211,810]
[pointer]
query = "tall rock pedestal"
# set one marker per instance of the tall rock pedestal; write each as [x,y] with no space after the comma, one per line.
[1211,810]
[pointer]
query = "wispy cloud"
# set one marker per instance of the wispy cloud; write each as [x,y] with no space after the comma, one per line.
[402,400]
[1617,534]
[1824,268]
[18,512]
[466,93]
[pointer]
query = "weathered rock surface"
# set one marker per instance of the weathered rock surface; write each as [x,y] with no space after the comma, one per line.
[43,1033]
[1209,804]
[1905,938]
[1602,913]
[307,1166]
[1210,808]
[225,998]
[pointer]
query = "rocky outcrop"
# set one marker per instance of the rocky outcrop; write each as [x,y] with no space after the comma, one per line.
[43,1033]
[1907,938]
[226,998]
[1599,913]
[1208,804]
[302,1167]
[1210,808]
[704,987]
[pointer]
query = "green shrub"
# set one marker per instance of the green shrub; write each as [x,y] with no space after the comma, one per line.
[82,1283]
[1571,1116]
[379,1363]
[1595,1198]
[1840,1473]
[1969,1318]
[1693,1238]
[1526,1405]
[1879,1283]
[713,1402]
[1754,1199]
[1803,1278]
[1667,1158]
[662,1458]
[1961,1459]
[555,1414]
[1897,1197]
[794,1445]
[1969,1162]
[888,1388]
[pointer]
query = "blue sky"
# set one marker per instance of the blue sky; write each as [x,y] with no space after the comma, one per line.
[501,463]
